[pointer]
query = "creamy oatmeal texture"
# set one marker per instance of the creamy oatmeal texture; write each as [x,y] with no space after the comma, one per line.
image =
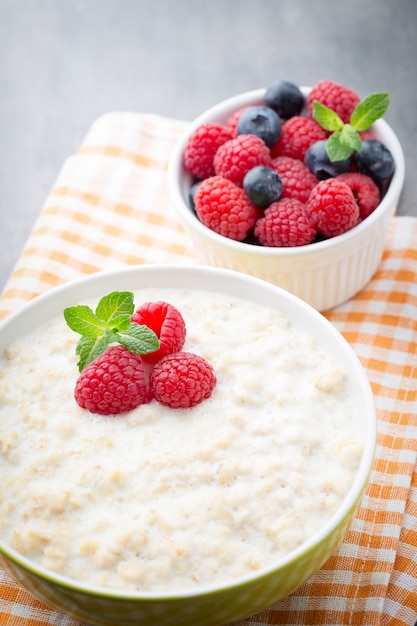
[162,499]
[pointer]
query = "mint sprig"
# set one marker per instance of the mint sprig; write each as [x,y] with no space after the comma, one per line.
[345,138]
[109,323]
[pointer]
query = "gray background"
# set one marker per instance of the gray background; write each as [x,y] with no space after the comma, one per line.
[63,63]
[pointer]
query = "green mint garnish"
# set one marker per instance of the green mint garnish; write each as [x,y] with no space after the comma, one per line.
[369,110]
[138,338]
[88,348]
[110,323]
[116,309]
[340,145]
[345,138]
[328,119]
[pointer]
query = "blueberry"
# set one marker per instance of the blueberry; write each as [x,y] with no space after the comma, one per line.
[261,121]
[251,239]
[263,186]
[375,160]
[191,193]
[285,98]
[319,164]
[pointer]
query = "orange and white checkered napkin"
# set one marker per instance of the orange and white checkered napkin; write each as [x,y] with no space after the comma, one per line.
[108,208]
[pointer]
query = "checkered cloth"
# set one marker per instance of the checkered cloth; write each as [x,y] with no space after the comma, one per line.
[109,208]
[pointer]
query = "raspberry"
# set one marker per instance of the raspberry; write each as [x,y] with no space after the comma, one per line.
[367,134]
[365,191]
[182,380]
[202,146]
[115,382]
[296,178]
[335,96]
[332,207]
[297,135]
[236,157]
[285,223]
[224,207]
[168,324]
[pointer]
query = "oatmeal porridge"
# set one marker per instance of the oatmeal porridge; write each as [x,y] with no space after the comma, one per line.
[158,498]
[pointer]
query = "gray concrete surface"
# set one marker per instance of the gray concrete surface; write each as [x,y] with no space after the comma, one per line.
[65,62]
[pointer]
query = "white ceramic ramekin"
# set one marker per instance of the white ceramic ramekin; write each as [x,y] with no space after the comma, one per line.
[325,273]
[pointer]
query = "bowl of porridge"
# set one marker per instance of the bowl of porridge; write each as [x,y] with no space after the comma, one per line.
[324,273]
[201,515]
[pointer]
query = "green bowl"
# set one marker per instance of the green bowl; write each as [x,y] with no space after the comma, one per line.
[217,604]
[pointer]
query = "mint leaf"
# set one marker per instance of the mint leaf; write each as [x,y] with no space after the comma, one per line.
[116,309]
[138,339]
[88,348]
[341,144]
[82,320]
[110,323]
[369,110]
[350,137]
[336,149]
[328,119]
[345,138]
